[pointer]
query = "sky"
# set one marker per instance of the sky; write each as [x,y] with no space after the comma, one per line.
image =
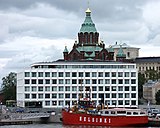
[38,30]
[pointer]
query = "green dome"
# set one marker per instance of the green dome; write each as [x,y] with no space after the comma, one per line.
[88,25]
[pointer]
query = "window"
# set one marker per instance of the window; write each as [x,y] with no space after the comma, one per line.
[120,102]
[94,88]
[40,89]
[133,95]
[74,81]
[74,95]
[113,81]
[47,95]
[74,88]
[67,74]
[100,81]
[40,96]
[120,81]
[54,88]
[27,96]
[107,88]
[74,74]
[94,74]
[54,74]
[67,95]
[27,89]
[54,103]
[54,95]
[114,102]
[47,103]
[61,103]
[61,96]
[40,74]
[126,95]
[126,74]
[47,88]
[34,74]
[34,96]
[133,74]
[27,74]
[133,81]
[26,81]
[100,74]
[87,74]
[113,74]
[47,74]
[54,81]
[80,74]
[60,81]
[120,74]
[120,95]
[67,88]
[67,81]
[126,81]
[33,81]
[128,54]
[40,81]
[107,95]
[114,95]
[100,88]
[133,88]
[133,102]
[107,74]
[94,81]
[127,88]
[47,81]
[107,81]
[120,88]
[80,81]
[61,88]
[88,81]
[34,88]
[114,88]
[94,95]
[60,74]
[126,102]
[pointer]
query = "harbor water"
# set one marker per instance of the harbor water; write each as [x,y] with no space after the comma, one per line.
[57,125]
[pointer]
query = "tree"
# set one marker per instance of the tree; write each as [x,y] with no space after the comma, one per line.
[9,84]
[157,97]
[152,74]
[141,81]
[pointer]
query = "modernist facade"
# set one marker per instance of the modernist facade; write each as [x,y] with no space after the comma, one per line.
[89,64]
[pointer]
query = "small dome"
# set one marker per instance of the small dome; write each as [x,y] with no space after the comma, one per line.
[88,10]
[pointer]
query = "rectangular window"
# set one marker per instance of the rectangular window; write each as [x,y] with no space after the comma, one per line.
[47,81]
[34,96]
[94,95]
[114,88]
[34,88]
[126,74]
[120,74]
[107,81]
[120,95]
[120,102]
[27,89]
[107,88]
[61,88]
[133,81]
[74,88]
[60,81]
[74,95]
[34,81]
[127,95]
[40,74]
[61,96]
[74,81]
[74,74]
[100,81]
[34,74]
[94,74]
[47,74]
[113,74]
[133,74]
[60,74]
[107,74]
[47,95]
[47,103]
[61,103]
[40,96]
[133,88]
[40,89]
[120,81]
[27,96]
[94,88]
[80,74]
[126,88]
[87,74]
[67,74]
[67,88]
[54,74]
[100,74]
[114,95]
[126,81]
[27,74]
[47,88]
[26,81]
[40,81]
[54,88]
[54,95]
[94,81]
[133,95]
[107,95]
[54,81]
[54,103]
[133,102]
[100,88]
[67,81]
[67,95]
[120,88]
[126,102]
[87,81]
[113,81]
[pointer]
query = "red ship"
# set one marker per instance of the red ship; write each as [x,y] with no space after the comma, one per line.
[86,113]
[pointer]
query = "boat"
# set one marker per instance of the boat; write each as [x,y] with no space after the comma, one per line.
[84,112]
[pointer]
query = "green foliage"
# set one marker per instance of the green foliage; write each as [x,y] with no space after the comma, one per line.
[157,97]
[9,86]
[152,74]
[141,81]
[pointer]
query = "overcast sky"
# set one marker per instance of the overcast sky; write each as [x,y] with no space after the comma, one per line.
[38,30]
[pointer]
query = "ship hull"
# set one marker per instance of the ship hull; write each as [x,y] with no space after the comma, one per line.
[98,120]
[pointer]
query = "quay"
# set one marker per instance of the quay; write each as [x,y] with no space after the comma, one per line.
[15,122]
